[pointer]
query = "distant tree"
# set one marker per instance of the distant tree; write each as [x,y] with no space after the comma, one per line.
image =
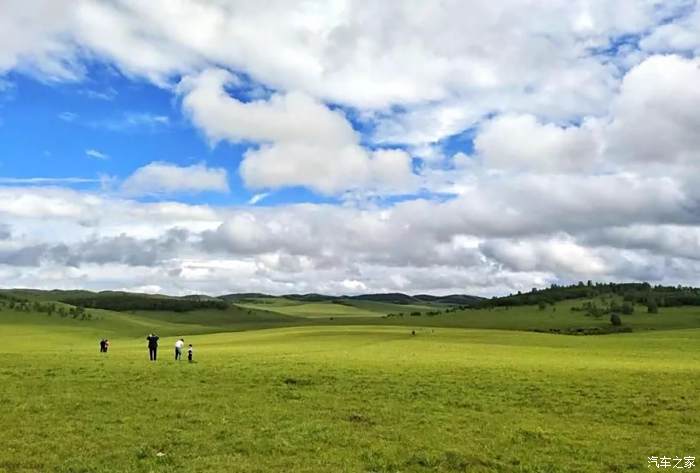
[615,319]
[627,308]
[652,307]
[542,305]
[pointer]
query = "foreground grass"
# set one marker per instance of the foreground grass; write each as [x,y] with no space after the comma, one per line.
[349,399]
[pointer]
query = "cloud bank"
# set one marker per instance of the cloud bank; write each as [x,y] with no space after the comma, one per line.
[473,147]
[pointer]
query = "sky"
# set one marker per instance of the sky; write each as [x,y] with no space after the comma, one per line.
[344,147]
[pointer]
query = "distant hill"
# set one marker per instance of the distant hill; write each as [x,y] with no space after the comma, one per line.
[236,297]
[120,300]
[457,299]
[311,297]
[389,298]
[639,293]
[581,308]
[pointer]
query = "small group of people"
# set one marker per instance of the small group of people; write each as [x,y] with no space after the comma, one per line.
[153,348]
[179,345]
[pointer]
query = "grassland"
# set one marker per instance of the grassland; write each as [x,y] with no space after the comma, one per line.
[470,391]
[342,309]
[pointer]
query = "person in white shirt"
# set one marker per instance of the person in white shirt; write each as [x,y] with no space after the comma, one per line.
[178,349]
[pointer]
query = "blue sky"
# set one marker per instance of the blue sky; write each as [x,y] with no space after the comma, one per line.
[131,122]
[342,148]
[109,125]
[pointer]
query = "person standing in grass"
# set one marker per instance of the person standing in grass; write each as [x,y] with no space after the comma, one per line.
[178,349]
[189,353]
[152,346]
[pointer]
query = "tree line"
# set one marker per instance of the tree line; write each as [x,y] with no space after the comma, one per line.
[633,293]
[129,302]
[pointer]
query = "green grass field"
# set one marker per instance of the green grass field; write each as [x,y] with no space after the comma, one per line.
[471,391]
[348,308]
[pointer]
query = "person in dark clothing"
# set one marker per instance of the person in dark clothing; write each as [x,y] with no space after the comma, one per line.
[152,346]
[103,348]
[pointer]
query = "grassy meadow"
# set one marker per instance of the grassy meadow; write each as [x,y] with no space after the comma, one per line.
[271,390]
[341,309]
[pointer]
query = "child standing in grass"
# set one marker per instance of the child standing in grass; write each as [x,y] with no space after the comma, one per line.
[189,353]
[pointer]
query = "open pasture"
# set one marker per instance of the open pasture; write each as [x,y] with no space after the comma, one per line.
[340,398]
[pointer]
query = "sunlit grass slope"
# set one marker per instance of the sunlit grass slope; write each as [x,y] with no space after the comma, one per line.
[559,316]
[340,398]
[341,308]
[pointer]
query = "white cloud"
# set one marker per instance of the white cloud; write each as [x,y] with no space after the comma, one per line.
[656,116]
[663,240]
[584,158]
[303,142]
[493,239]
[652,121]
[43,181]
[133,121]
[520,142]
[166,178]
[446,64]
[258,197]
[560,256]
[93,153]
[680,35]
[33,39]
[68,116]
[107,94]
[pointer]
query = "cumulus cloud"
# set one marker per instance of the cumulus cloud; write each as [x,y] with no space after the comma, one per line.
[415,246]
[651,121]
[559,256]
[520,142]
[679,35]
[662,240]
[573,134]
[303,142]
[166,178]
[446,64]
[657,113]
[32,39]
